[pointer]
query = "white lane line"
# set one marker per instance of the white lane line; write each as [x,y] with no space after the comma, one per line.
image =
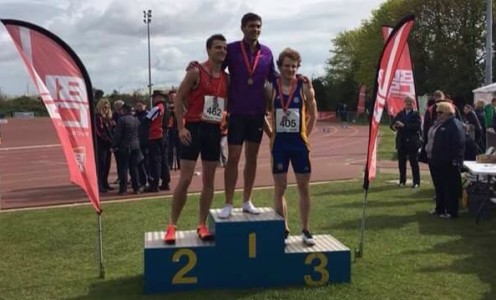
[29,147]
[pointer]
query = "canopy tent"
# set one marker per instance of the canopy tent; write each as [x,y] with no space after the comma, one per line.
[485,93]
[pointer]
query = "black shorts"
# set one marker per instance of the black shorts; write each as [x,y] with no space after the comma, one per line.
[245,128]
[205,139]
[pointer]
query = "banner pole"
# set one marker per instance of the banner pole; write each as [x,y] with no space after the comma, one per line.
[359,252]
[100,246]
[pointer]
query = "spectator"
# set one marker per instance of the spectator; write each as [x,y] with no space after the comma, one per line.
[155,139]
[174,148]
[125,143]
[140,113]
[445,150]
[343,115]
[473,132]
[479,111]
[103,143]
[407,126]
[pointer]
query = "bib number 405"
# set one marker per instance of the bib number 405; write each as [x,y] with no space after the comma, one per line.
[285,122]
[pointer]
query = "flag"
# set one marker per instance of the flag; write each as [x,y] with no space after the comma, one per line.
[361,99]
[65,88]
[388,62]
[403,82]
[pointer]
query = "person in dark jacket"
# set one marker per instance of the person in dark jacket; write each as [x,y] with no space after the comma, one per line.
[445,150]
[173,148]
[430,115]
[407,126]
[473,132]
[343,114]
[126,145]
[479,111]
[140,113]
[165,168]
[103,143]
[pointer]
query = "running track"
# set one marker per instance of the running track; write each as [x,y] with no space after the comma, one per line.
[33,171]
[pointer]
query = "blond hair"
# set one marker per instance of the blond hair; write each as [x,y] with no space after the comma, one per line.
[446,108]
[99,108]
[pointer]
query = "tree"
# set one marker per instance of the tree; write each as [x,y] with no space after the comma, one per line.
[320,86]
[23,104]
[446,44]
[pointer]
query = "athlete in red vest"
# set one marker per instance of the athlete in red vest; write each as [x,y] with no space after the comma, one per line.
[203,92]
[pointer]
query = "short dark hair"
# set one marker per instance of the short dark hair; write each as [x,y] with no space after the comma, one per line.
[249,17]
[140,101]
[215,37]
[126,107]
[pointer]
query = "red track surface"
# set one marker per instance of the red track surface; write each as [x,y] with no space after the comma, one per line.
[33,171]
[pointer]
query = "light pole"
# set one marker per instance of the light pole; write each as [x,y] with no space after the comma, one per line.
[147,19]
[489,42]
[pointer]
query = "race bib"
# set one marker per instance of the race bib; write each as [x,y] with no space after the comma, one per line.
[212,109]
[288,121]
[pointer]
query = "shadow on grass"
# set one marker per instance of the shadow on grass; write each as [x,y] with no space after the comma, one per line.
[476,246]
[383,204]
[332,191]
[132,288]
[375,222]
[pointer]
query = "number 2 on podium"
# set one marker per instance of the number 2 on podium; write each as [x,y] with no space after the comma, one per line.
[180,277]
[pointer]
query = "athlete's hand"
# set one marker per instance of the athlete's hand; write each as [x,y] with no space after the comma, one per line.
[303,78]
[185,136]
[192,65]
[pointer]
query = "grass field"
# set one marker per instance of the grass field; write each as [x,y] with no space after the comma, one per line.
[409,254]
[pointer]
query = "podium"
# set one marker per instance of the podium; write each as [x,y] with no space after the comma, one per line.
[248,252]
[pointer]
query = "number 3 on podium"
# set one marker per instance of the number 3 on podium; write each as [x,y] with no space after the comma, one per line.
[180,277]
[320,268]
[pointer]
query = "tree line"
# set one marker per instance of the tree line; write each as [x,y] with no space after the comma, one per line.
[8,106]
[447,46]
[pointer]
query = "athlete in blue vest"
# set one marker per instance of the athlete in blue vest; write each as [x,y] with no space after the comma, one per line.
[293,113]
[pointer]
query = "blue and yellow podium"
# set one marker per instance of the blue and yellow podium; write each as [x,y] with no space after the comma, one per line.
[248,252]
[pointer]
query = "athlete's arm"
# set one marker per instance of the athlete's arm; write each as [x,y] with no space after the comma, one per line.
[311,106]
[189,82]
[268,109]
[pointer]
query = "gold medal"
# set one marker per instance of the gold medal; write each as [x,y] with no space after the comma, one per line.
[250,81]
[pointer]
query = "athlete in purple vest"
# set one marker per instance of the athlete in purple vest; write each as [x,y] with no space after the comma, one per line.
[250,65]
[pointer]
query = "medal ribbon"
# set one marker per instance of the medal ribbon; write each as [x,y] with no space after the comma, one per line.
[251,69]
[292,90]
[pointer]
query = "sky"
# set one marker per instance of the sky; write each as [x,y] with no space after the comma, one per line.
[110,36]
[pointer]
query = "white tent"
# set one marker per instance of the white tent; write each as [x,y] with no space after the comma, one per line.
[485,93]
